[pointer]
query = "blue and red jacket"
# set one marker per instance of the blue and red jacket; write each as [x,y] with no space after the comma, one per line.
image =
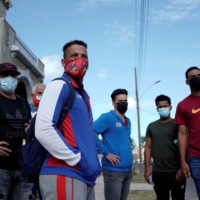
[72,153]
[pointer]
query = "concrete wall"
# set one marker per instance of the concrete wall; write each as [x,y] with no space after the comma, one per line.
[2,10]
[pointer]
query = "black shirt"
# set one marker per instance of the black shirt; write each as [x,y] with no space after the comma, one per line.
[165,150]
[13,115]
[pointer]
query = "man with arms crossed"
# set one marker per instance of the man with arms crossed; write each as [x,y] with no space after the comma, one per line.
[115,129]
[162,146]
[72,165]
[188,119]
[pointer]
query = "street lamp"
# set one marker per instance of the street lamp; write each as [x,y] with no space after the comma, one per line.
[138,116]
[149,87]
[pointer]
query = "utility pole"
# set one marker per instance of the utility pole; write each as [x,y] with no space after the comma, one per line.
[138,120]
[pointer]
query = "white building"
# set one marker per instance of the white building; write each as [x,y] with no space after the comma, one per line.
[13,50]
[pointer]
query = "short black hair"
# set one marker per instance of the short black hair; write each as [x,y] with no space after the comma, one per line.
[190,69]
[117,92]
[162,98]
[67,45]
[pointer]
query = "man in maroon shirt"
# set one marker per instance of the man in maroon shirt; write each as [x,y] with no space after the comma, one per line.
[188,119]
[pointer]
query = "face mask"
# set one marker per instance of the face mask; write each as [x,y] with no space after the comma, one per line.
[122,107]
[36,99]
[8,84]
[164,112]
[195,83]
[76,67]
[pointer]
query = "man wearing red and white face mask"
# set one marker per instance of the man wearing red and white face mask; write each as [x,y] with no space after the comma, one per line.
[72,165]
[36,95]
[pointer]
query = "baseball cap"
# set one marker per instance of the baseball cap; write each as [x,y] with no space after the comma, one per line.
[9,67]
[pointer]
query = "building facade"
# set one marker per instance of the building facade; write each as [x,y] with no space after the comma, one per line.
[13,50]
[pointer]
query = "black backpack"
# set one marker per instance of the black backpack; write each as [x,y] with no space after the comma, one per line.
[33,153]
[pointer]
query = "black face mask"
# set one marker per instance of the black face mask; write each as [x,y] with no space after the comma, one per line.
[195,83]
[122,107]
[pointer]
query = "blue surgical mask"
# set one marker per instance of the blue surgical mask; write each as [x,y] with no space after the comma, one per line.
[164,112]
[8,84]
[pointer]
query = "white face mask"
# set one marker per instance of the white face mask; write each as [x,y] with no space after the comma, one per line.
[164,112]
[8,84]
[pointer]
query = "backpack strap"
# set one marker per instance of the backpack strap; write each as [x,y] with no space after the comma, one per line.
[31,130]
[70,99]
[68,105]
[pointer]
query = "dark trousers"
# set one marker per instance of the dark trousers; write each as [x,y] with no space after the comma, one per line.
[164,182]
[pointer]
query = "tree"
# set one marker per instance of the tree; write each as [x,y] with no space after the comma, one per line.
[132,143]
[134,164]
[143,141]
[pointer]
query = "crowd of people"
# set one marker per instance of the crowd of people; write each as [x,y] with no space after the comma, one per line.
[72,166]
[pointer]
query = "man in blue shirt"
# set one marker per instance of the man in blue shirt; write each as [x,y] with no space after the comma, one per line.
[115,129]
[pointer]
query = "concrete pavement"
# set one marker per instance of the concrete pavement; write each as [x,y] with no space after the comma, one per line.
[189,195]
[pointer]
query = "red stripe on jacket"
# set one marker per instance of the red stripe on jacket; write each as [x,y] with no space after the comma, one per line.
[68,131]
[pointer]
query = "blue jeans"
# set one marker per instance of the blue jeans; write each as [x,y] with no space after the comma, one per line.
[13,186]
[194,164]
[117,184]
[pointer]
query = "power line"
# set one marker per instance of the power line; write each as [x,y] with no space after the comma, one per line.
[136,33]
[146,33]
[96,104]
[142,44]
[149,112]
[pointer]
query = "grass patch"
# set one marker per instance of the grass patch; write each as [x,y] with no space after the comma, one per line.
[138,178]
[142,195]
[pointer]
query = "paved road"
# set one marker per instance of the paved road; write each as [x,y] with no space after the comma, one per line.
[190,193]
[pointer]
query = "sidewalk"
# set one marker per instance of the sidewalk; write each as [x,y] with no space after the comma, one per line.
[189,195]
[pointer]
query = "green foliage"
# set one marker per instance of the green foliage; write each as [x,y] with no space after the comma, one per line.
[143,141]
[132,143]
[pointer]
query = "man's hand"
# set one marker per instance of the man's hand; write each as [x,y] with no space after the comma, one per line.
[185,170]
[113,159]
[3,150]
[147,173]
[179,176]
[26,126]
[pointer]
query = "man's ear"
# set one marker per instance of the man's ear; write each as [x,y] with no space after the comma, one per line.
[170,108]
[113,103]
[63,62]
[32,95]
[187,82]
